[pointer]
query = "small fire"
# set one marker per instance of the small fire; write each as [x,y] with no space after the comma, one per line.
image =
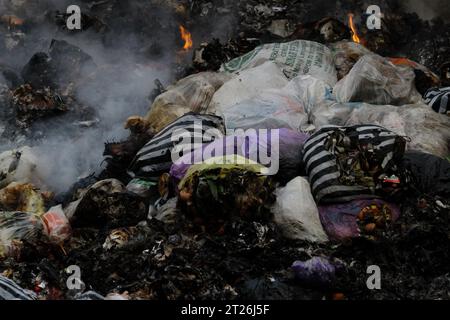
[187,37]
[355,37]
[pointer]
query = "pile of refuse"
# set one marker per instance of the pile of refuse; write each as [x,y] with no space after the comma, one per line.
[282,172]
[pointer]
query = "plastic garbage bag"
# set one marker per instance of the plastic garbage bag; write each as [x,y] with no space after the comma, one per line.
[427,131]
[311,91]
[317,271]
[349,163]
[345,55]
[347,114]
[268,111]
[106,204]
[430,175]
[89,295]
[296,214]
[16,227]
[248,84]
[56,225]
[254,145]
[22,197]
[331,113]
[191,94]
[272,288]
[9,290]
[116,296]
[178,138]
[341,221]
[388,117]
[18,166]
[288,107]
[144,188]
[219,189]
[438,99]
[299,57]
[376,80]
[425,78]
[167,212]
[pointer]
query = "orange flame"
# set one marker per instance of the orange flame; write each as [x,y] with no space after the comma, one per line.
[355,37]
[187,37]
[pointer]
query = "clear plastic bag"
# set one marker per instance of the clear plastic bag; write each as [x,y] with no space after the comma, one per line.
[246,85]
[286,107]
[427,130]
[56,225]
[191,94]
[16,227]
[346,54]
[376,80]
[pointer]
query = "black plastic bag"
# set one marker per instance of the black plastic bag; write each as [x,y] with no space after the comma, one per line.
[428,174]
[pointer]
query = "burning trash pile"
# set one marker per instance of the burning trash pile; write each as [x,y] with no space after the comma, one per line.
[296,150]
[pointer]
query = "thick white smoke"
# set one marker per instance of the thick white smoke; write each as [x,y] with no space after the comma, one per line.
[119,88]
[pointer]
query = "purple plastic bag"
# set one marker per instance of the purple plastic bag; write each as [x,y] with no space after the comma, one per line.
[340,220]
[251,146]
[315,271]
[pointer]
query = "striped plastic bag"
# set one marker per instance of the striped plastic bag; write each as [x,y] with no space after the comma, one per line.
[9,290]
[186,133]
[349,163]
[438,99]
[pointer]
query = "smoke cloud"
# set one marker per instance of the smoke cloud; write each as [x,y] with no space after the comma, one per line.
[117,87]
[428,10]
